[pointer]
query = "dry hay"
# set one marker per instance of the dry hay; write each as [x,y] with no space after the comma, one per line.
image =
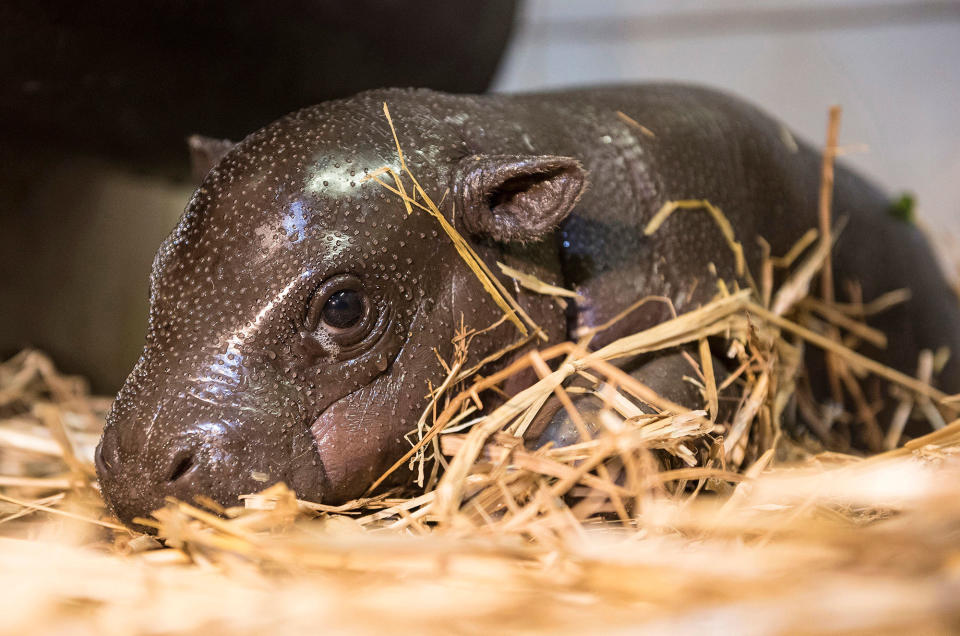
[666,520]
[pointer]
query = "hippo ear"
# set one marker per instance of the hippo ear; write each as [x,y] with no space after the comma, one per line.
[517,197]
[205,153]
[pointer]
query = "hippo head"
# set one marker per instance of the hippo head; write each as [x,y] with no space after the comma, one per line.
[298,311]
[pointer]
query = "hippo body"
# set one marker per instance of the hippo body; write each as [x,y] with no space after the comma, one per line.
[298,311]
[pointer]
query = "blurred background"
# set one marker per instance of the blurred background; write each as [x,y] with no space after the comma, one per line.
[894,66]
[97,98]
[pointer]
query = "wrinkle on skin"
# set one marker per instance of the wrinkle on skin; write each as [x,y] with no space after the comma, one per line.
[308,449]
[319,428]
[233,406]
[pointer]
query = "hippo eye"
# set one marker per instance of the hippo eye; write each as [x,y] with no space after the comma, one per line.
[343,309]
[339,312]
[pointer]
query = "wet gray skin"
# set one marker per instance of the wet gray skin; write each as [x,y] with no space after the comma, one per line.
[298,312]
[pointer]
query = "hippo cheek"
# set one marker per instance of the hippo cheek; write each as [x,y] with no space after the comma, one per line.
[357,439]
[306,472]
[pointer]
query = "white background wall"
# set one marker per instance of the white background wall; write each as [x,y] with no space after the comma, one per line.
[893,65]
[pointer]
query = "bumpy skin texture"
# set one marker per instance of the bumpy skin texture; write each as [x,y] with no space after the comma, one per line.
[237,388]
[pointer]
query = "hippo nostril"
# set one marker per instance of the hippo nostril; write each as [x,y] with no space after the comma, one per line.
[107,455]
[181,465]
[103,466]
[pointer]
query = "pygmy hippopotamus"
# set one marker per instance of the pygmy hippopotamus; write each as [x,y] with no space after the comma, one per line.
[298,311]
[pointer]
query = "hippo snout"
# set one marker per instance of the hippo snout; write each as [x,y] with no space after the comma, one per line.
[216,451]
[135,488]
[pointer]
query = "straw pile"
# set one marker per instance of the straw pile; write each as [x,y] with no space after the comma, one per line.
[666,519]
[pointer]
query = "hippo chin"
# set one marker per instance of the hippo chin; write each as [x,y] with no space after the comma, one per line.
[298,311]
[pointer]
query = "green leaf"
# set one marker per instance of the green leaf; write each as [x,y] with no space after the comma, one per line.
[903,207]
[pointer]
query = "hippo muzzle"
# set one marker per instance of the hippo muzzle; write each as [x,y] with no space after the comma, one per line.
[199,434]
